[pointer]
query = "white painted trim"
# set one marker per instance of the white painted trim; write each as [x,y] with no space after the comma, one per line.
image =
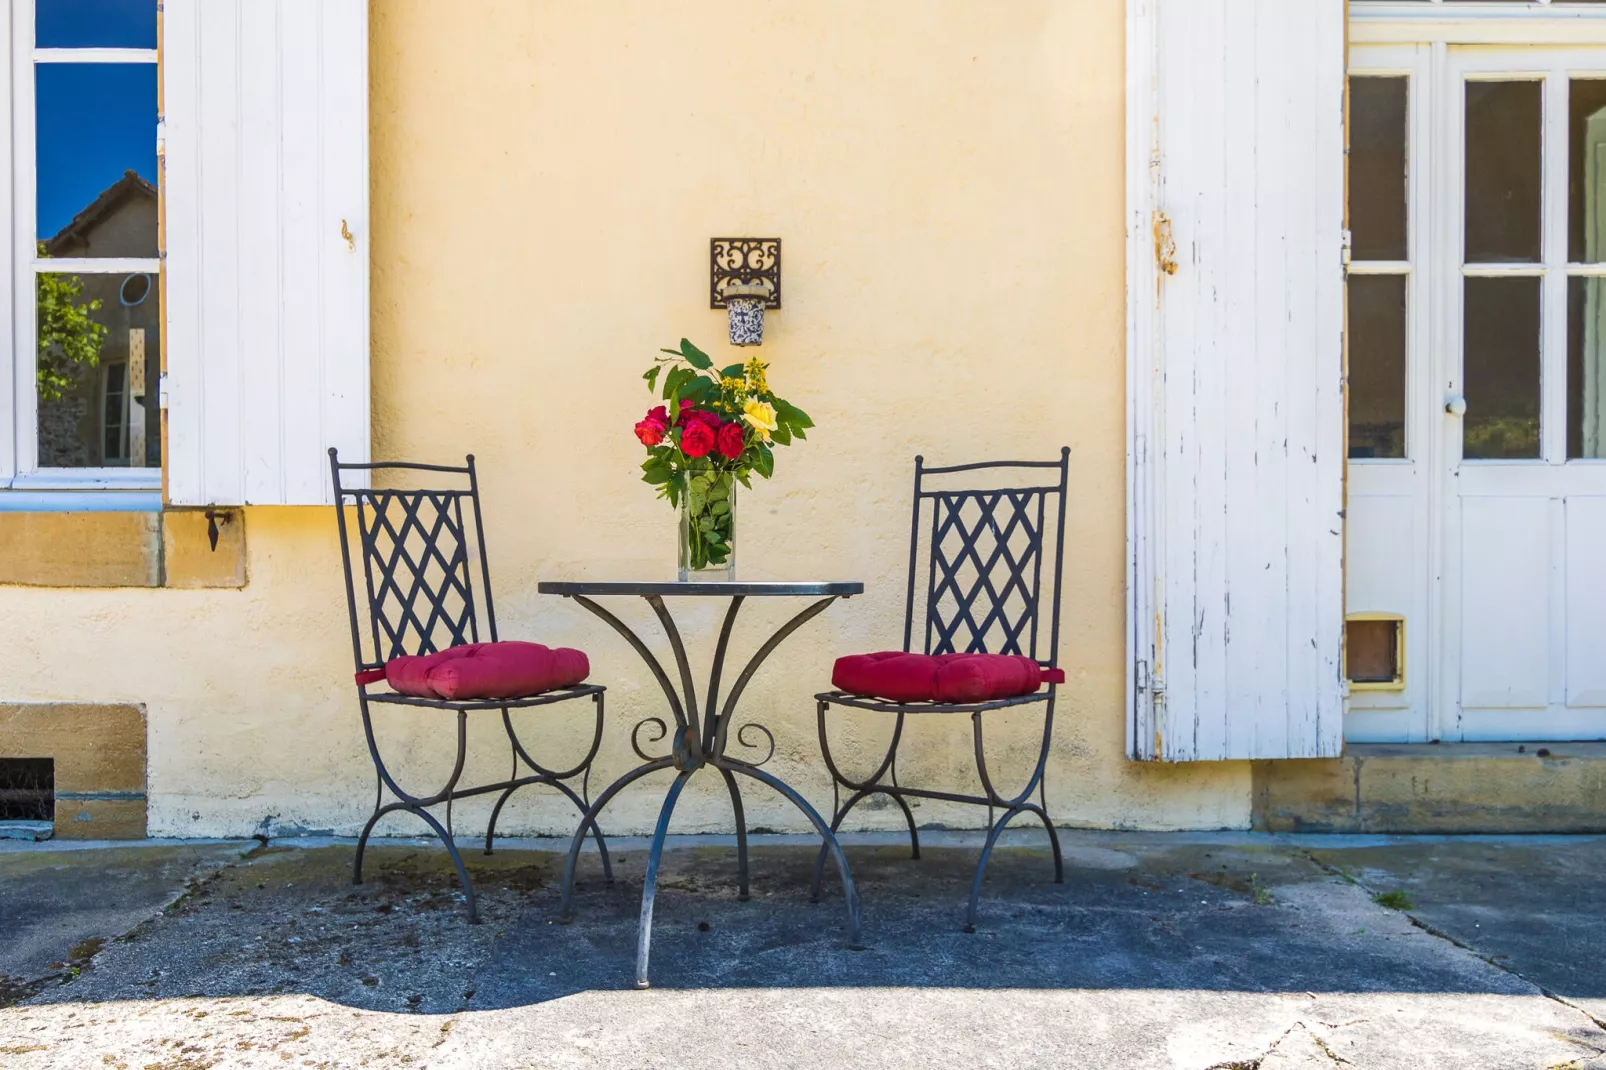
[1373,22]
[1144,678]
[8,272]
[23,414]
[90,479]
[19,453]
[94,55]
[1379,267]
[108,265]
[80,501]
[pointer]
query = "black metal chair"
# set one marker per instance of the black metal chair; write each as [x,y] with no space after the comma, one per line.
[983,583]
[419,598]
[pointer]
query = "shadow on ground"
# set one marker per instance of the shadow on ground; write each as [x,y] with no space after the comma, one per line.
[1224,953]
[1182,916]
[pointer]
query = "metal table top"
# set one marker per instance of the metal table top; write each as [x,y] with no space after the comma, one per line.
[720,588]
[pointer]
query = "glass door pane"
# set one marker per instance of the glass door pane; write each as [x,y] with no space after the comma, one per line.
[1500,368]
[1504,132]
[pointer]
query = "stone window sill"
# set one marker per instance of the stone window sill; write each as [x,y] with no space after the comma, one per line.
[122,548]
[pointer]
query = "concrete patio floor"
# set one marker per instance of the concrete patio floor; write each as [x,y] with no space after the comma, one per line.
[1186,951]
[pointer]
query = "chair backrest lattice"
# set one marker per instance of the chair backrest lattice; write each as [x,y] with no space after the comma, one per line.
[979,586]
[413,550]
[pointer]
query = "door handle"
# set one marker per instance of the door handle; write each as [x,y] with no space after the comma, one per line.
[1455,405]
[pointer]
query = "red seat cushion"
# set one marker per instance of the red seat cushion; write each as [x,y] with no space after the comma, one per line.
[487,670]
[953,678]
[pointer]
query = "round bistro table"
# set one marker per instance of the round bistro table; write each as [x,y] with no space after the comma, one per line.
[698,741]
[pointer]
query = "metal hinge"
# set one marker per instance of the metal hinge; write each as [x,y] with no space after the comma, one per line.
[161,391]
[1349,244]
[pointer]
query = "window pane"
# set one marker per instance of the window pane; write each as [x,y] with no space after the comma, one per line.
[1503,171]
[1377,366]
[95,23]
[1586,368]
[97,158]
[97,371]
[1377,210]
[1501,368]
[1586,171]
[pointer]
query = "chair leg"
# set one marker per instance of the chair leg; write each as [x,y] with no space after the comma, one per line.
[649,891]
[496,811]
[742,895]
[362,840]
[836,825]
[596,830]
[457,859]
[981,865]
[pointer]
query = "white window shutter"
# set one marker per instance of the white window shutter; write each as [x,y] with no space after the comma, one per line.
[1235,162]
[265,118]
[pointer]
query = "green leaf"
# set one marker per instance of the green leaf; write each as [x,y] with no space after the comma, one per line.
[694,356]
[764,464]
[676,378]
[781,435]
[652,376]
[791,416]
[734,371]
[742,475]
[719,508]
[697,389]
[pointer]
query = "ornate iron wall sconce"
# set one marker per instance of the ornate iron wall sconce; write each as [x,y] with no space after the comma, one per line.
[745,279]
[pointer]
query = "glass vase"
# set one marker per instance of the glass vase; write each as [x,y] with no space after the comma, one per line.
[707,527]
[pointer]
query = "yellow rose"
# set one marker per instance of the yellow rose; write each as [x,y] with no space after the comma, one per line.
[761,414]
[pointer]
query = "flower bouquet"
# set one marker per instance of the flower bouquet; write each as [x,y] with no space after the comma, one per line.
[714,430]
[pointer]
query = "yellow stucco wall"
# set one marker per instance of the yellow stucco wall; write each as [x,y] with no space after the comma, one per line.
[546,176]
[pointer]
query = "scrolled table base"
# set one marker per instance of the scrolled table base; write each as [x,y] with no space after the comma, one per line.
[697,743]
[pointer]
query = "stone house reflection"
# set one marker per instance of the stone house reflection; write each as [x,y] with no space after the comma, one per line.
[110,417]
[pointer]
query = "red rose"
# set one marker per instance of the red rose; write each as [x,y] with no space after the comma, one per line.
[689,415]
[651,429]
[696,439]
[729,441]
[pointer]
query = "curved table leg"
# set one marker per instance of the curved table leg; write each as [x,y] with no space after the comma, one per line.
[855,940]
[649,890]
[741,836]
[590,821]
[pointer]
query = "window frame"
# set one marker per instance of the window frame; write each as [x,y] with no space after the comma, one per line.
[19,449]
[1413,64]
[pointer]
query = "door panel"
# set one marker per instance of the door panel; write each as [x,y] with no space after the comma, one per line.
[1505,603]
[1586,602]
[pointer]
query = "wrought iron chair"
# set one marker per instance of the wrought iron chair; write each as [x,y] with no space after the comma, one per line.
[987,551]
[418,597]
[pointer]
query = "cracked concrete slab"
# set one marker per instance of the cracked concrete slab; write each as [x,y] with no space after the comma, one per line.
[1533,907]
[1158,951]
[58,907]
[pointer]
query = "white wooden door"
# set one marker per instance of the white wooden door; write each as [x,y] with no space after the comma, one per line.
[1477,389]
[1235,365]
[1524,463]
